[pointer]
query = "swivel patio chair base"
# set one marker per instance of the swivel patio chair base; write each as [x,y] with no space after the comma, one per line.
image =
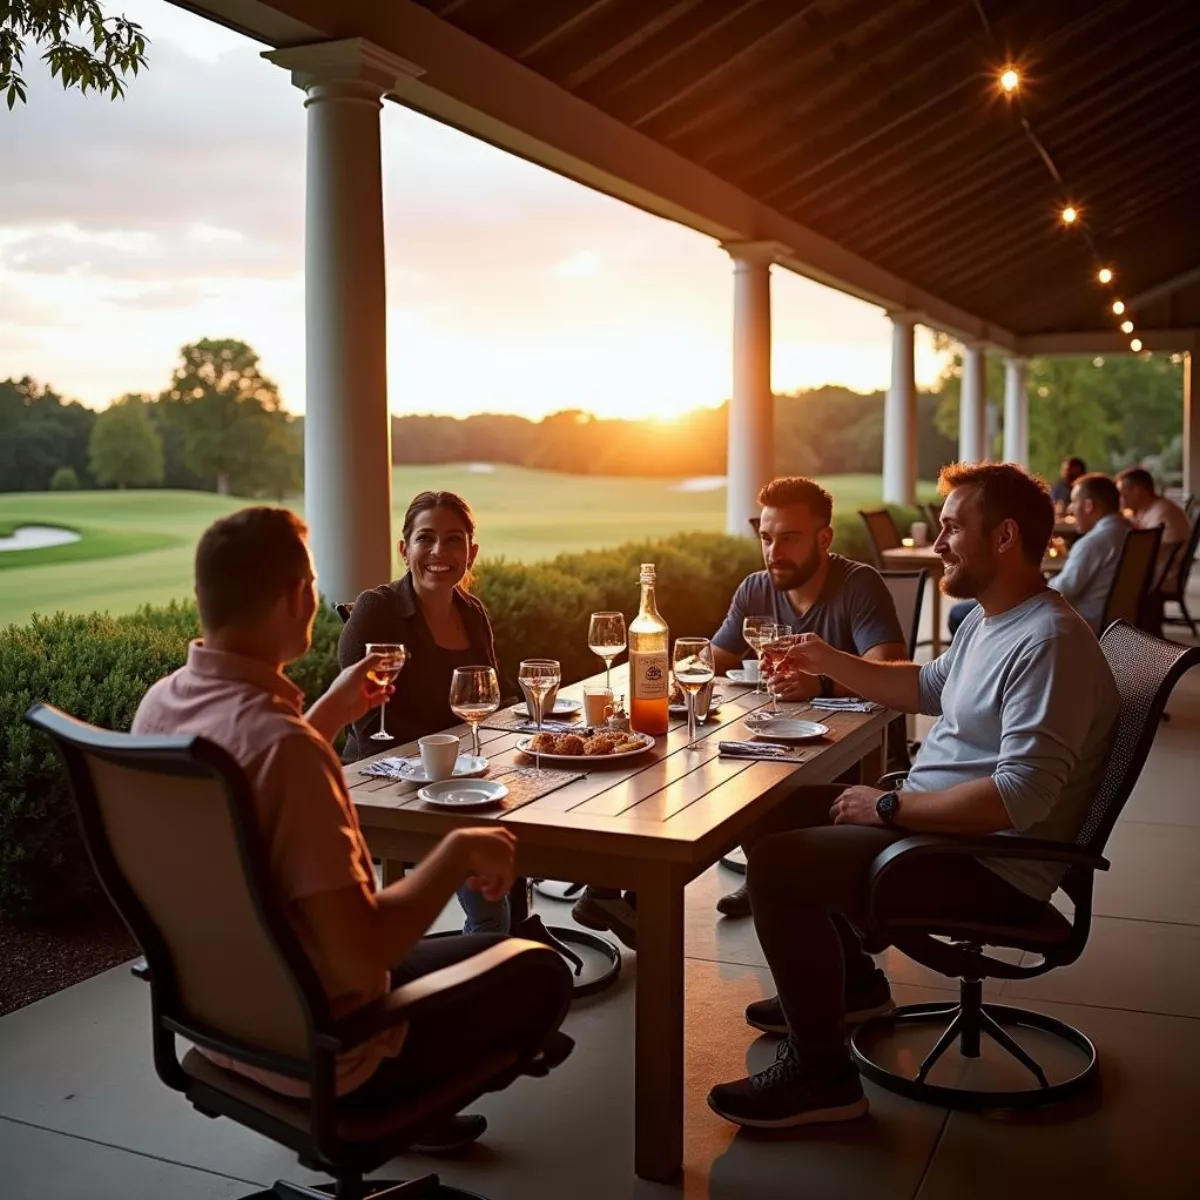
[966,1023]
[428,1187]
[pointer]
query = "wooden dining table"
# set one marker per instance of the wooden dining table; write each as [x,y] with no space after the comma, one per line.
[650,824]
[917,558]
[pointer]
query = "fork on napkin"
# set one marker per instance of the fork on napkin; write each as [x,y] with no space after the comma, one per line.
[844,704]
[773,751]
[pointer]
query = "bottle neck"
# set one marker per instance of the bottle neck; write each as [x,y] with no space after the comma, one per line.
[648,606]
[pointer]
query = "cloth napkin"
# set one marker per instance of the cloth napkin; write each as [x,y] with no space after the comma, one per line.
[394,768]
[766,750]
[844,704]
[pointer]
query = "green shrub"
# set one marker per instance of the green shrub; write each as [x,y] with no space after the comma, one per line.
[64,479]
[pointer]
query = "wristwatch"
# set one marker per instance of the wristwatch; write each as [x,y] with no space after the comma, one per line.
[826,686]
[887,807]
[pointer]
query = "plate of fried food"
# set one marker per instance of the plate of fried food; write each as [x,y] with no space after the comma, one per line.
[607,745]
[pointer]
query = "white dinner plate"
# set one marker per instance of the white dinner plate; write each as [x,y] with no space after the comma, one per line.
[469,793]
[568,759]
[786,729]
[563,707]
[465,766]
[738,675]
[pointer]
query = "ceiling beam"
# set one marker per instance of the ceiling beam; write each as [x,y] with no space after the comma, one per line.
[472,87]
[1167,287]
[1052,345]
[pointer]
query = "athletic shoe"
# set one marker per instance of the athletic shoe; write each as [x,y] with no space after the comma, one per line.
[735,903]
[450,1134]
[613,913]
[861,1005]
[784,1095]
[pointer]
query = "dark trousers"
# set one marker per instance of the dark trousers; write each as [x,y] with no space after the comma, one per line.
[526,1005]
[808,890]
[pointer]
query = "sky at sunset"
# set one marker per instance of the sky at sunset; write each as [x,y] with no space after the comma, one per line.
[129,228]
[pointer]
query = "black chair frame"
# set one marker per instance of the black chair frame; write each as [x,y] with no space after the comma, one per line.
[1179,597]
[320,1148]
[914,629]
[962,952]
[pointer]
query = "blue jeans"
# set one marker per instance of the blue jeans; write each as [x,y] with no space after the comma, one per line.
[483,915]
[959,613]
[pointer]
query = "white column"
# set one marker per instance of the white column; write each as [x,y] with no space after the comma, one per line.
[751,452]
[900,417]
[347,432]
[1191,422]
[1016,413]
[972,409]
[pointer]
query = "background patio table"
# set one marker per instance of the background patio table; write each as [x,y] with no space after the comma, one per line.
[651,824]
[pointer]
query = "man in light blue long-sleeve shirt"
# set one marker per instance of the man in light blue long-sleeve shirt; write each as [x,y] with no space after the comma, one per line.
[1091,566]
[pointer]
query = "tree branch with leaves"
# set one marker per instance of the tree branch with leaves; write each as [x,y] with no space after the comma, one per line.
[85,48]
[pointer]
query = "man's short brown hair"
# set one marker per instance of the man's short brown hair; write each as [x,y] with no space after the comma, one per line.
[795,489]
[245,562]
[1007,492]
[1100,490]
[1139,477]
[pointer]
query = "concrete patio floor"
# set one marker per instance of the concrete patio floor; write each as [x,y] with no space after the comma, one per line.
[82,1114]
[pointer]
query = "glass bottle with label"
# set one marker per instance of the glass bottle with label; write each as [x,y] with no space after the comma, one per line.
[648,663]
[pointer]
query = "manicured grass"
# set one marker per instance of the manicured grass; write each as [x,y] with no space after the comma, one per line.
[137,545]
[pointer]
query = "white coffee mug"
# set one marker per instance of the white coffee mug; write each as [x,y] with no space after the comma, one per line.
[750,670]
[920,533]
[439,753]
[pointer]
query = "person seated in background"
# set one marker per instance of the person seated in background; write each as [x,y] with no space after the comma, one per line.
[442,626]
[1026,707]
[1060,492]
[257,595]
[808,589]
[1091,566]
[1148,510]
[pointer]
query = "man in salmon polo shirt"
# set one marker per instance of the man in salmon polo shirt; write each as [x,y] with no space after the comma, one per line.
[257,595]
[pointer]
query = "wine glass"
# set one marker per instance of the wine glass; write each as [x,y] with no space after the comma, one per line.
[538,677]
[758,631]
[392,659]
[774,655]
[474,696]
[693,665]
[606,639]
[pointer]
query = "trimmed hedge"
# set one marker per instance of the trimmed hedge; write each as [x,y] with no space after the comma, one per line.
[98,668]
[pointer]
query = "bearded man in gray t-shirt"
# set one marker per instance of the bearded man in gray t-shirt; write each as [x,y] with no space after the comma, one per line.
[809,590]
[1026,707]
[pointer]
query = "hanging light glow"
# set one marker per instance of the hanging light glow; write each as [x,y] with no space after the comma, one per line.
[1069,215]
[1105,275]
[1126,326]
[1010,80]
[1118,307]
[1136,345]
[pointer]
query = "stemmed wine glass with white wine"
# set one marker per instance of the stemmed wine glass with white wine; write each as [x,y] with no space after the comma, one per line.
[392,657]
[474,696]
[606,639]
[538,677]
[758,631]
[694,668]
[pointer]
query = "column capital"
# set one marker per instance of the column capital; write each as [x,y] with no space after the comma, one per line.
[350,60]
[904,316]
[759,253]
[1016,360]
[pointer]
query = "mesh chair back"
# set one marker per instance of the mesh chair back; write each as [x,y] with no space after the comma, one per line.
[1135,572]
[933,513]
[881,529]
[1146,669]
[344,611]
[169,825]
[908,591]
[1178,579]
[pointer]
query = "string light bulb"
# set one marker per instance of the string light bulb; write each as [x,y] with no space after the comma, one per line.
[1136,345]
[1010,80]
[1126,326]
[1118,307]
[1105,275]
[1069,215]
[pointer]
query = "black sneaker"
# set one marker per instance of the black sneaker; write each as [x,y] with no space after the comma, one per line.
[735,903]
[783,1096]
[861,1005]
[617,914]
[450,1134]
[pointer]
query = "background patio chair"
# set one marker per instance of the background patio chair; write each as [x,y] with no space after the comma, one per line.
[1136,570]
[1146,669]
[344,610]
[1177,595]
[908,594]
[169,826]
[933,514]
[881,529]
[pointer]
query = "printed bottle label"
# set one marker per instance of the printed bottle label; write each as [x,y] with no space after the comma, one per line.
[648,675]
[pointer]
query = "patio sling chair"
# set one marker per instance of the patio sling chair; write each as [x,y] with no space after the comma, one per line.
[1176,593]
[907,590]
[603,967]
[1146,669]
[881,529]
[1135,572]
[169,827]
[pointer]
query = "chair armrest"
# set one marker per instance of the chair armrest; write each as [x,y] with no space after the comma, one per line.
[996,845]
[889,781]
[426,994]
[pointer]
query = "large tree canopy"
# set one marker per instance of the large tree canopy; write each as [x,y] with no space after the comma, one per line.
[125,449]
[85,48]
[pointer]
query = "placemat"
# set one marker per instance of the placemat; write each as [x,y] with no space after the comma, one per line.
[518,722]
